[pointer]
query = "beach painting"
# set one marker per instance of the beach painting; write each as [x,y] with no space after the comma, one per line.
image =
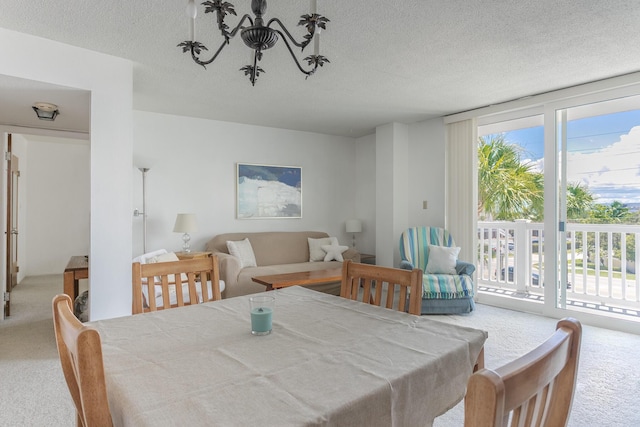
[265,191]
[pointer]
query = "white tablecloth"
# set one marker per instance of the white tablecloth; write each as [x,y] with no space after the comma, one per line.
[328,361]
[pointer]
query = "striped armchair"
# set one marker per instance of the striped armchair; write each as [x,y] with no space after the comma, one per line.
[441,293]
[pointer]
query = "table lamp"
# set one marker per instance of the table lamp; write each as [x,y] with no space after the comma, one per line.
[185,223]
[353,226]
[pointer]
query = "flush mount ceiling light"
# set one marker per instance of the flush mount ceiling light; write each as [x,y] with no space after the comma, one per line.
[257,36]
[46,111]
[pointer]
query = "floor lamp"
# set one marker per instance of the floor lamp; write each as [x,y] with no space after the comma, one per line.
[137,213]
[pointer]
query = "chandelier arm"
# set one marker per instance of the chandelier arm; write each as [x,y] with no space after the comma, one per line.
[293,40]
[215,55]
[239,26]
[293,55]
[224,43]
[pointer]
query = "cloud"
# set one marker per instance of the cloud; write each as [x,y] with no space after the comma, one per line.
[610,172]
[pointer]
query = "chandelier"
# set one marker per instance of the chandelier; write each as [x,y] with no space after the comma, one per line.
[257,36]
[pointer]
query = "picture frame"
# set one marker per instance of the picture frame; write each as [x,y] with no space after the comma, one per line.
[268,191]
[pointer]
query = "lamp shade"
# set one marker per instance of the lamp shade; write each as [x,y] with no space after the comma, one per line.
[185,223]
[353,226]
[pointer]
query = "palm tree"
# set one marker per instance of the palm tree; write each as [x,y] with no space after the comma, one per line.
[507,188]
[579,201]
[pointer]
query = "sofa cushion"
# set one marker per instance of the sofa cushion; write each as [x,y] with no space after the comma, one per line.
[243,251]
[316,253]
[271,247]
[334,252]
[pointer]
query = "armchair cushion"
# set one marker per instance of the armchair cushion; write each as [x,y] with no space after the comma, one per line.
[442,259]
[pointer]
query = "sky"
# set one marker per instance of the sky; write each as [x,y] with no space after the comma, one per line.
[603,154]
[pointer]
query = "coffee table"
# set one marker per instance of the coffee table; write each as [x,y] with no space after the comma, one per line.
[277,281]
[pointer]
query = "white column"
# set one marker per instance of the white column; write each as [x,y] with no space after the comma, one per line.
[392,182]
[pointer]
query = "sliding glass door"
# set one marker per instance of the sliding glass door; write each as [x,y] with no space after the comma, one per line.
[598,163]
[559,208]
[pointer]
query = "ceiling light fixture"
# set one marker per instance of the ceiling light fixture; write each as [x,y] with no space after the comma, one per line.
[258,37]
[46,111]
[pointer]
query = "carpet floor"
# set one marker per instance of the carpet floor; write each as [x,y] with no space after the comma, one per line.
[33,391]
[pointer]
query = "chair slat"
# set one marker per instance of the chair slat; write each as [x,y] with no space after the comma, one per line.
[378,281]
[196,270]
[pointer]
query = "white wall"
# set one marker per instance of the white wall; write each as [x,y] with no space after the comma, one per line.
[110,81]
[426,173]
[425,170]
[56,180]
[193,169]
[366,193]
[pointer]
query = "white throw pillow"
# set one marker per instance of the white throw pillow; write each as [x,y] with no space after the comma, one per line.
[144,258]
[168,257]
[334,252]
[315,247]
[442,259]
[242,250]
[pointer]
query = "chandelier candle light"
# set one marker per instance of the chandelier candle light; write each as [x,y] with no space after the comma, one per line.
[257,36]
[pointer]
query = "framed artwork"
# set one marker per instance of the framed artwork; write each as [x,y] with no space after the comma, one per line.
[264,191]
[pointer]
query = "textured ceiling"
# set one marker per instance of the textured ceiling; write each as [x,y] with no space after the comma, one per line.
[393,60]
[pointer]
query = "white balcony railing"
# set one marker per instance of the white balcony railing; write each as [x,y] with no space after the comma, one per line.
[601,261]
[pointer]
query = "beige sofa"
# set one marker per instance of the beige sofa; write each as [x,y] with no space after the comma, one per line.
[276,252]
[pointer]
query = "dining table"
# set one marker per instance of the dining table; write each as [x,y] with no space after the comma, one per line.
[329,361]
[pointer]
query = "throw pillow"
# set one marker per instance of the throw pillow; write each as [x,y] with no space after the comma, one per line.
[334,252]
[242,249]
[315,247]
[168,257]
[442,259]
[144,258]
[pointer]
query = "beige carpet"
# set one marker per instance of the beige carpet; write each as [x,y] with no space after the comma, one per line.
[33,391]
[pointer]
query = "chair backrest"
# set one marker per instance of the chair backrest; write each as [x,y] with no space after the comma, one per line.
[533,390]
[375,281]
[160,279]
[414,242]
[80,353]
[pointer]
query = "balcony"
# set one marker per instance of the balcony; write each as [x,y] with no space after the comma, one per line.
[600,264]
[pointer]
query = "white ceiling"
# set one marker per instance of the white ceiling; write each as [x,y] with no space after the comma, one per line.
[393,60]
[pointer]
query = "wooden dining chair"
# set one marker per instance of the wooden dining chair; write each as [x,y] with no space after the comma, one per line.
[157,281]
[80,352]
[370,282]
[534,390]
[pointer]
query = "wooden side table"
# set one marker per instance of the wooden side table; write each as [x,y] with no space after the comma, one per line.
[77,268]
[193,255]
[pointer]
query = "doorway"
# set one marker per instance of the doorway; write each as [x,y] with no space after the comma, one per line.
[12,203]
[53,204]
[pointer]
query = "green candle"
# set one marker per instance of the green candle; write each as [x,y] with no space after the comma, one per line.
[261,318]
